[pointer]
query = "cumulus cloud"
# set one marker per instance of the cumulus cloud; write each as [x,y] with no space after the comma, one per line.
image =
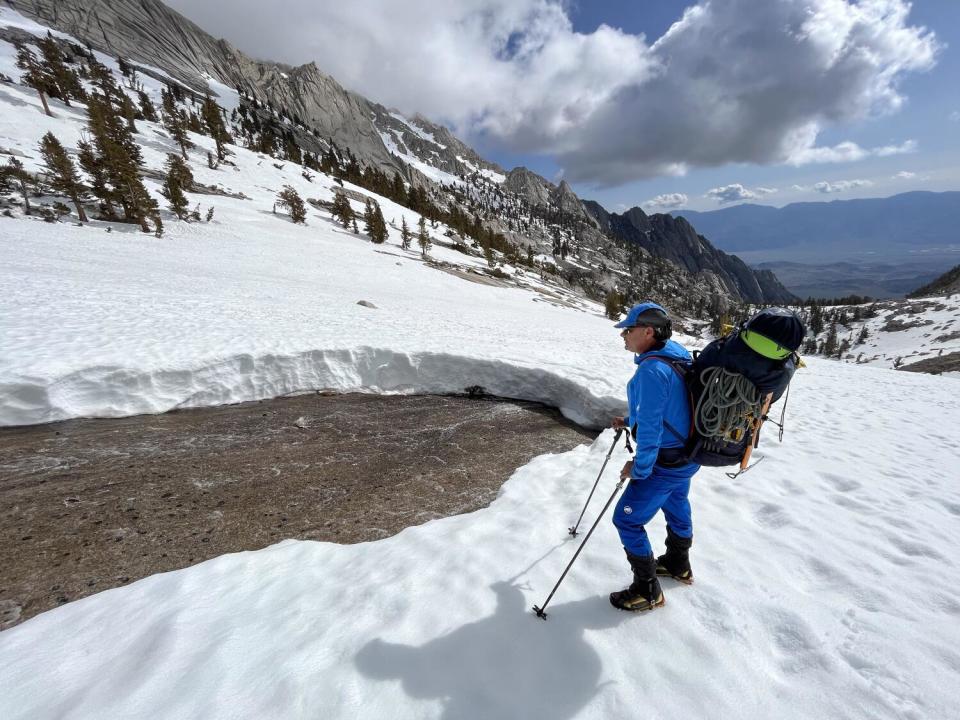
[848,152]
[609,106]
[668,201]
[828,188]
[736,192]
[904,175]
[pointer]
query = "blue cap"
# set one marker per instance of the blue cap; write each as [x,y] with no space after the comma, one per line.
[636,311]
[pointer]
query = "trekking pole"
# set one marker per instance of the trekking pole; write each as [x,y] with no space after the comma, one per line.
[540,610]
[573,530]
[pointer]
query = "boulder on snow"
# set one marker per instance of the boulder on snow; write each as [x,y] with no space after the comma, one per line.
[366,303]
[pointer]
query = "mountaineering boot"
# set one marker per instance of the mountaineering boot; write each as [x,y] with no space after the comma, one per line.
[676,562]
[644,592]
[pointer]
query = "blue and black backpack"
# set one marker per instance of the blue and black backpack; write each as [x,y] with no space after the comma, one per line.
[732,382]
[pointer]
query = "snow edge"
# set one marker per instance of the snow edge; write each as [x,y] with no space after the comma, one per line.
[114,391]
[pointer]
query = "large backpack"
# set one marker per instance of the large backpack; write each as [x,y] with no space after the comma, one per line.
[732,382]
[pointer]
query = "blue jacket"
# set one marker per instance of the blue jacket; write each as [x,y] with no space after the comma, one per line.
[656,393]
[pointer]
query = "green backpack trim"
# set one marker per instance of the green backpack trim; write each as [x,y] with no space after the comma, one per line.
[762,345]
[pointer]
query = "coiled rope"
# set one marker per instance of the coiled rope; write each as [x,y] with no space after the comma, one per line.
[728,406]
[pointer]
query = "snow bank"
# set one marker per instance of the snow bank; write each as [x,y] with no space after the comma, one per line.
[118,391]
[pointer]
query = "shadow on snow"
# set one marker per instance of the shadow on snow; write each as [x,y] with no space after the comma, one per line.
[510,664]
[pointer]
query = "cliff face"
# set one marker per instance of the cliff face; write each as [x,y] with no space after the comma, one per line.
[528,185]
[147,31]
[676,240]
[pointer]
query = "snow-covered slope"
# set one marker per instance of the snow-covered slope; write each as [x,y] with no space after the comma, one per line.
[898,333]
[826,587]
[112,323]
[826,576]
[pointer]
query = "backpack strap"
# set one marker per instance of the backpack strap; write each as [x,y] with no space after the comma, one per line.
[682,374]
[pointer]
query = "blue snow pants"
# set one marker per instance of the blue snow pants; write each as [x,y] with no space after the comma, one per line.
[664,489]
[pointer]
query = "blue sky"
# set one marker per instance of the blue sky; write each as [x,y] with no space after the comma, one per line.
[769,101]
[932,97]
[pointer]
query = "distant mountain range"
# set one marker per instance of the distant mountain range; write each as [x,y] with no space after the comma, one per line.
[913,219]
[881,247]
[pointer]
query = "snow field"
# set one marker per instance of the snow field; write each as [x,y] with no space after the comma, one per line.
[825,587]
[826,576]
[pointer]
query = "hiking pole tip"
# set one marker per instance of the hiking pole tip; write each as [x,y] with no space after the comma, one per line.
[540,613]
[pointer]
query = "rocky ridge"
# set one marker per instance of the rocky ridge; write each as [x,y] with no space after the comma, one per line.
[151,33]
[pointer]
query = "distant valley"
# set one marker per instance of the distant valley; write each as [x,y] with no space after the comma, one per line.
[882,247]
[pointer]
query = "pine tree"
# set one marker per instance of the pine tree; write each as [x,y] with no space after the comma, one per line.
[423,238]
[289,198]
[179,178]
[215,125]
[101,76]
[488,254]
[90,162]
[61,173]
[194,124]
[146,107]
[368,218]
[398,192]
[20,177]
[378,232]
[816,319]
[342,209]
[175,122]
[830,344]
[113,154]
[405,235]
[36,76]
[129,111]
[613,305]
[65,80]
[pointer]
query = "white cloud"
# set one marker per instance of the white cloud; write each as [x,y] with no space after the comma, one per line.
[848,152]
[668,201]
[610,106]
[904,175]
[908,147]
[828,188]
[736,192]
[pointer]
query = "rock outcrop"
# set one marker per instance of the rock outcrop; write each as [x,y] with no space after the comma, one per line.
[676,240]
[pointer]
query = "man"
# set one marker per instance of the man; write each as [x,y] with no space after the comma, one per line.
[659,420]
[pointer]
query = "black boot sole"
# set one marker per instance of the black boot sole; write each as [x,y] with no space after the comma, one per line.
[657,604]
[679,579]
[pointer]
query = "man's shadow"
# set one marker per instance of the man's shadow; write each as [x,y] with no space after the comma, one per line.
[508,665]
